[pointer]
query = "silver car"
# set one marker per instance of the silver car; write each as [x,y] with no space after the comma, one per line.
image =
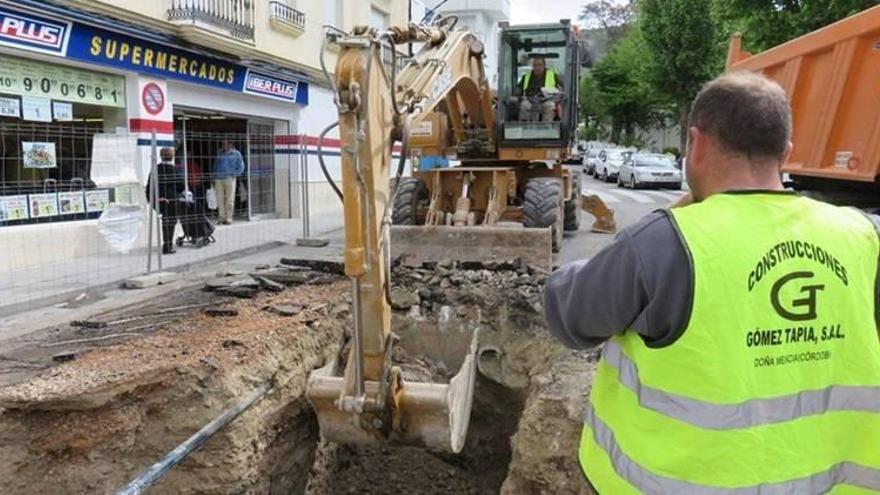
[650,170]
[610,161]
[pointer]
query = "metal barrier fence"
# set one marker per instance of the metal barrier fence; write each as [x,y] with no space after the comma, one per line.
[62,235]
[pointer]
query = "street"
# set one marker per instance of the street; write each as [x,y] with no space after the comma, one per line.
[629,206]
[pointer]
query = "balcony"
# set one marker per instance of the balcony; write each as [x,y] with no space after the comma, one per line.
[223,24]
[286,18]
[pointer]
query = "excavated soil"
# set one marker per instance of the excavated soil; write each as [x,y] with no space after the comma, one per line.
[92,424]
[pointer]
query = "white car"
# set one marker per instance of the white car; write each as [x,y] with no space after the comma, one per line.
[610,162]
[591,159]
[650,170]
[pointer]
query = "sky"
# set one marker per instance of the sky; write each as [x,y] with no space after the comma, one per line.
[540,11]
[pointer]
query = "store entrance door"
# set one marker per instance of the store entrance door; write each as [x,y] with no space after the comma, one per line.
[199,138]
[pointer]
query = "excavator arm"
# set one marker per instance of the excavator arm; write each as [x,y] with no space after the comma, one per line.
[368,399]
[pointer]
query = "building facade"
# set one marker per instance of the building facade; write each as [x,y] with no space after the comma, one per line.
[482,17]
[187,74]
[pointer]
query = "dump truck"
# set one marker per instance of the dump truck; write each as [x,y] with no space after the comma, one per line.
[830,77]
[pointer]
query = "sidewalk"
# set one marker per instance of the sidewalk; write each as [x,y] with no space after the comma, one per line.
[55,282]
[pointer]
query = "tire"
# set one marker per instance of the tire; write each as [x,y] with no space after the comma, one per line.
[543,207]
[410,193]
[603,176]
[571,211]
[607,177]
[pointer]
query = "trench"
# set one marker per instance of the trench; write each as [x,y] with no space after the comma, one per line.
[480,468]
[95,423]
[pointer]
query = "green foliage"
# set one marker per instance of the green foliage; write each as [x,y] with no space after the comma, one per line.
[768,23]
[680,36]
[624,93]
[613,18]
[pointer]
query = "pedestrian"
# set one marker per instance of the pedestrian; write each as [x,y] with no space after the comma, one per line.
[228,166]
[740,327]
[170,188]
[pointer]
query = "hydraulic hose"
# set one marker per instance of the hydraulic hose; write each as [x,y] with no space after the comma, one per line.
[321,159]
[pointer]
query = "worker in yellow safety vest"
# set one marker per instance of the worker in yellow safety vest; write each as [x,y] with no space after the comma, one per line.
[530,85]
[740,326]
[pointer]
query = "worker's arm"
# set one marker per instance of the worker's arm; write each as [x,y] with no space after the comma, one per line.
[643,281]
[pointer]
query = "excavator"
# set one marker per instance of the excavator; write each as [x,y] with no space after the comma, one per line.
[510,198]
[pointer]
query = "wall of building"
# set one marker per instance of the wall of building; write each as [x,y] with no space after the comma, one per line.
[296,52]
[482,17]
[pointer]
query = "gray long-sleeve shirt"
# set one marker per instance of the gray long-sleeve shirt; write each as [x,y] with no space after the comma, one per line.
[642,281]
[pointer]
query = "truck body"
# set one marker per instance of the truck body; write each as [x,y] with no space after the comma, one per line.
[831,79]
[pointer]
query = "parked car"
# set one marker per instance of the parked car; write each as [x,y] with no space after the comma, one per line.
[610,162]
[650,170]
[591,159]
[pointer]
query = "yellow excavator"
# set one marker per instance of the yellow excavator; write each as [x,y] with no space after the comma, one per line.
[510,198]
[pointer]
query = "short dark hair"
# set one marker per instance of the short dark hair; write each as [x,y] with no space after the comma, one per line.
[747,113]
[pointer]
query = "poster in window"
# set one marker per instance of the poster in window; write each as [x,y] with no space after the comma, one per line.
[13,208]
[97,200]
[71,203]
[43,205]
[10,107]
[38,155]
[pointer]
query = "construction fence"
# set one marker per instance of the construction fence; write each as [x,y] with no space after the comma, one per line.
[78,210]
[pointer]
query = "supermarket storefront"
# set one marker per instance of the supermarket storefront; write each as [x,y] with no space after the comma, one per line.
[65,80]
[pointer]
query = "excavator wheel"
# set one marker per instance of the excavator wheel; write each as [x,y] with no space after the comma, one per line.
[543,207]
[411,191]
[572,213]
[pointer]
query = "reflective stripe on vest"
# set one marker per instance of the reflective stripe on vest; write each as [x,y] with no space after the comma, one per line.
[774,386]
[549,79]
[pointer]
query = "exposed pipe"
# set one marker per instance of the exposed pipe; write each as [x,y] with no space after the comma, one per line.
[158,470]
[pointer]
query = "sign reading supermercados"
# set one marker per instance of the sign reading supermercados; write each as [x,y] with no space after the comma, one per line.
[19,76]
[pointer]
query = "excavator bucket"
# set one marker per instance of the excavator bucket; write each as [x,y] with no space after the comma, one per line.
[433,407]
[414,245]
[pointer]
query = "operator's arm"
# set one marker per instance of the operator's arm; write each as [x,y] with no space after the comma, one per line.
[643,281]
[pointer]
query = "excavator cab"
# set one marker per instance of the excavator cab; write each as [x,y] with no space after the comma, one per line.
[533,117]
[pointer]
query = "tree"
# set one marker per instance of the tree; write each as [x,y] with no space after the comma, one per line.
[612,17]
[767,23]
[681,47]
[624,93]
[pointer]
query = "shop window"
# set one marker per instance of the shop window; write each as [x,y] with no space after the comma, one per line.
[45,167]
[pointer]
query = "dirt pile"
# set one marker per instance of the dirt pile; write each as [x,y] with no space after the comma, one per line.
[91,425]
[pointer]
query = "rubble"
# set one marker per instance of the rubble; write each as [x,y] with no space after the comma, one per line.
[90,424]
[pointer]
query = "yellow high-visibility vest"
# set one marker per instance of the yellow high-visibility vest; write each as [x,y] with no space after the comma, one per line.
[774,384]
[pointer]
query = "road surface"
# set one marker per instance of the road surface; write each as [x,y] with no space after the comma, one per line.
[629,206]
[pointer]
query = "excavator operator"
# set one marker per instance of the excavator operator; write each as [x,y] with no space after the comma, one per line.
[531,84]
[740,327]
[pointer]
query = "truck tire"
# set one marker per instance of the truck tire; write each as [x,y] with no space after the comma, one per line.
[572,211]
[410,193]
[543,207]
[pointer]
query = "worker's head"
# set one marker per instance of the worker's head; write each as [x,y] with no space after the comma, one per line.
[539,65]
[227,145]
[739,134]
[166,154]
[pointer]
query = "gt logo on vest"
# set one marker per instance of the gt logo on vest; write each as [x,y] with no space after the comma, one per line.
[790,311]
[24,31]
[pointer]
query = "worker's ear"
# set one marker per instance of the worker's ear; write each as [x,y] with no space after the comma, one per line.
[698,146]
[788,149]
